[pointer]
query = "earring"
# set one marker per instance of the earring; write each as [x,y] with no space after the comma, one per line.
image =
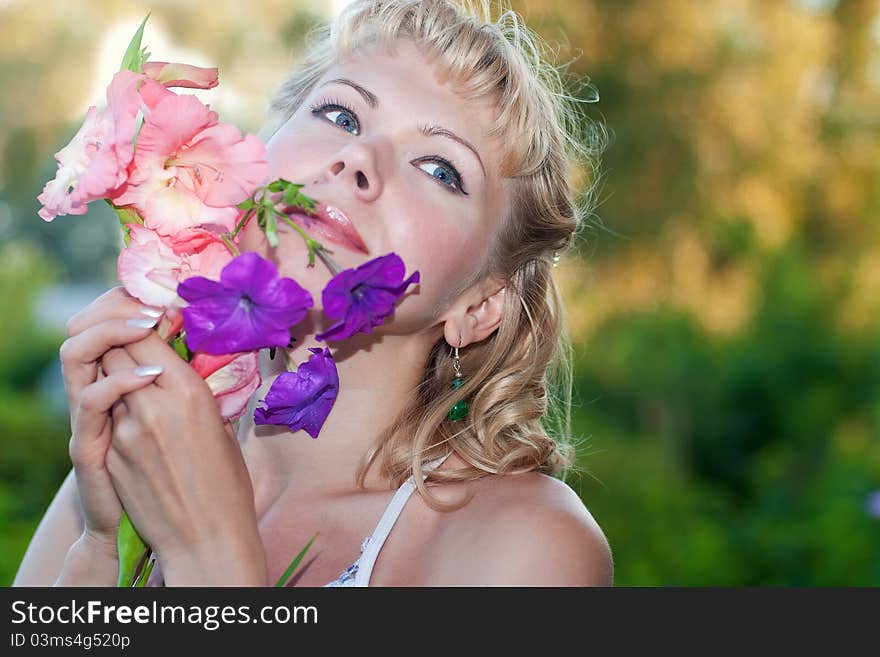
[460,409]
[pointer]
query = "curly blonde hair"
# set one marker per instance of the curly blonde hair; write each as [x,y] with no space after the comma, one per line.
[518,381]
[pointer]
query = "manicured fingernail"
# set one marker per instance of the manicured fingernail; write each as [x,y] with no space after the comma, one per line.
[150,311]
[142,323]
[148,370]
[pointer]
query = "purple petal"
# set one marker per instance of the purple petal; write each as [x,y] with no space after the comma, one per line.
[336,295]
[198,287]
[248,273]
[230,332]
[361,298]
[302,399]
[386,270]
[250,308]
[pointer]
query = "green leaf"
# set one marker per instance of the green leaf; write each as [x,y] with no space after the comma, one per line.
[290,194]
[134,57]
[144,58]
[132,551]
[301,200]
[180,347]
[293,564]
[127,215]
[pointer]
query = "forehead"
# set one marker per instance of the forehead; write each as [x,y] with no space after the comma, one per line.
[409,85]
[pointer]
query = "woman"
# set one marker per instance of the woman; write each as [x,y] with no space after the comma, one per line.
[444,138]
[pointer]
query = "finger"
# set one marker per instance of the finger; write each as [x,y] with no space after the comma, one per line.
[80,353]
[153,350]
[118,411]
[116,303]
[90,437]
[117,358]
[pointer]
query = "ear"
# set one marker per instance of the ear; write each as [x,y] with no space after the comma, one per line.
[478,321]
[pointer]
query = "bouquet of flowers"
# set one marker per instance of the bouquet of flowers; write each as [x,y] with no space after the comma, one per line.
[184,185]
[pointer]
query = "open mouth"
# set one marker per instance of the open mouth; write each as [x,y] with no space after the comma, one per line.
[330,224]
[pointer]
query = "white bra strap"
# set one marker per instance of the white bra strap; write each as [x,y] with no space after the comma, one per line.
[386,522]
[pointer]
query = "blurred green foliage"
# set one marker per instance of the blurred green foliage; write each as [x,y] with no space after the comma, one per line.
[33,441]
[742,460]
[724,306]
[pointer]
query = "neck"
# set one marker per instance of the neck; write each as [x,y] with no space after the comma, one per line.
[378,377]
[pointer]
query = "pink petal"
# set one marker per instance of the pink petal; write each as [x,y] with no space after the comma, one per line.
[234,384]
[56,197]
[172,124]
[96,160]
[148,268]
[231,167]
[152,93]
[208,262]
[206,364]
[189,170]
[181,75]
[194,240]
[174,209]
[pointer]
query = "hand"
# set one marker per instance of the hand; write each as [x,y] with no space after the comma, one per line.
[180,474]
[92,332]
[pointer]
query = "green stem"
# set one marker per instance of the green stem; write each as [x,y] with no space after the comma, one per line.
[328,261]
[315,247]
[145,571]
[229,245]
[242,223]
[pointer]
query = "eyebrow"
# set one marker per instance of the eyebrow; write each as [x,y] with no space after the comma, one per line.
[427,130]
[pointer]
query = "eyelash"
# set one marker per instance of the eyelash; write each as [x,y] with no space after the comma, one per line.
[334,104]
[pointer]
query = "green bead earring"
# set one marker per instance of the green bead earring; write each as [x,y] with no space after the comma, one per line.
[459,410]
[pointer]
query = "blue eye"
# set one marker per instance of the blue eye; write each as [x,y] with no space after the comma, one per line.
[340,109]
[448,175]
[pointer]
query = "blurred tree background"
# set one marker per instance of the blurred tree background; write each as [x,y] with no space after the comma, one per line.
[725,304]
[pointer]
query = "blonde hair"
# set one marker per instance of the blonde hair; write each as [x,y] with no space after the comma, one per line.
[518,381]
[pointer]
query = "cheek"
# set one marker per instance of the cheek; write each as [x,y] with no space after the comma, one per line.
[291,152]
[443,254]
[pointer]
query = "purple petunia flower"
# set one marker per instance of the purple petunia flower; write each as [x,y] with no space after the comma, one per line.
[361,298]
[302,399]
[872,504]
[249,308]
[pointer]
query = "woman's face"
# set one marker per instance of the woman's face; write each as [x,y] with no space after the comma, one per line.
[430,199]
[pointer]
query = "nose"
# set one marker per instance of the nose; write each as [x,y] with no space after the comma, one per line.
[355,166]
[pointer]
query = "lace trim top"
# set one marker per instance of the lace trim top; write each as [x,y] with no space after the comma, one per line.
[358,573]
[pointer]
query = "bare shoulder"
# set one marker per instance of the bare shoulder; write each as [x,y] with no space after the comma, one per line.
[533,530]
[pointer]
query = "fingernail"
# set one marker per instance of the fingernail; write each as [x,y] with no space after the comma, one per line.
[148,370]
[150,311]
[142,323]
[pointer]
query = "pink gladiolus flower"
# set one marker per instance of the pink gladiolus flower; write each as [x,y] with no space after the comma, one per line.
[233,378]
[206,364]
[195,240]
[151,267]
[190,170]
[95,161]
[181,75]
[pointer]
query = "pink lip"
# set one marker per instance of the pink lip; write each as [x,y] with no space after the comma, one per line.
[332,225]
